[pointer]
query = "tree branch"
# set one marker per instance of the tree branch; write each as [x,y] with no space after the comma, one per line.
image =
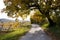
[55,7]
[36,7]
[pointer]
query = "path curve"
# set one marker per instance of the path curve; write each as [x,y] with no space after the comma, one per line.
[36,33]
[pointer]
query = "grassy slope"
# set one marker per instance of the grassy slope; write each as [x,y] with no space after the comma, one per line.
[15,34]
[54,32]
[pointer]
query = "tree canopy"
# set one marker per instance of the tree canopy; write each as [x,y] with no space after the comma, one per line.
[48,8]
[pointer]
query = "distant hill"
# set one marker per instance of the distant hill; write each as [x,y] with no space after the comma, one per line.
[6,20]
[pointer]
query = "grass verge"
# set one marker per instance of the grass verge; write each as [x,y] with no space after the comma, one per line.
[15,35]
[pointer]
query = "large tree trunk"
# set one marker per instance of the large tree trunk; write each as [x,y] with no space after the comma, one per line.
[46,13]
[51,22]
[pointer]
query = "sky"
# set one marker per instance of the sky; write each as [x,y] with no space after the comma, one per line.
[4,15]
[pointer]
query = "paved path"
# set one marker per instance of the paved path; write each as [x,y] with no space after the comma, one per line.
[35,33]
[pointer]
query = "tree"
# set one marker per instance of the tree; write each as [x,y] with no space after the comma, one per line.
[21,7]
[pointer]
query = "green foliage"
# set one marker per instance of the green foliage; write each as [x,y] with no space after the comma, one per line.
[55,15]
[38,18]
[15,34]
[16,5]
[49,8]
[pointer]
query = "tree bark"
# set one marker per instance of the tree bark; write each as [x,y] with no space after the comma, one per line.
[51,22]
[46,13]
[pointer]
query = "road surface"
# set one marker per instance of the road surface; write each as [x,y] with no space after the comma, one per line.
[36,33]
